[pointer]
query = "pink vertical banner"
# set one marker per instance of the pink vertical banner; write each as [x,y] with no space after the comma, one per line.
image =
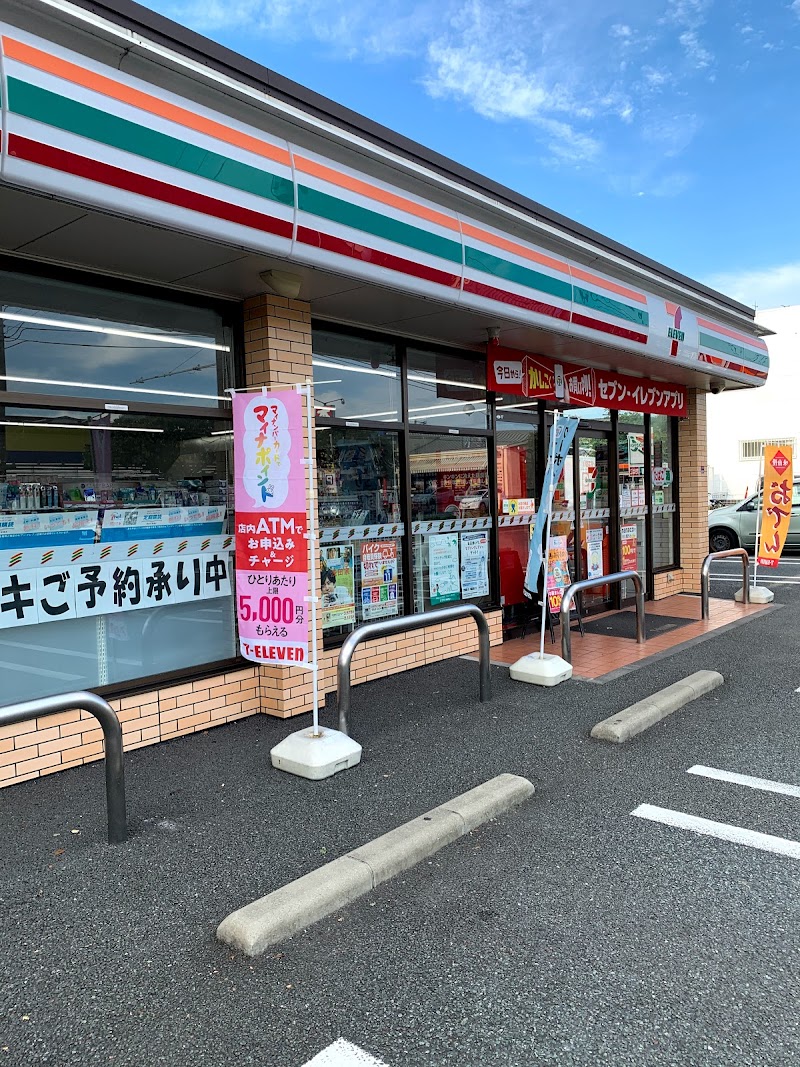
[271,527]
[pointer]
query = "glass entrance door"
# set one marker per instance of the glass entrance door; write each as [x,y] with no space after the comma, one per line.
[632,498]
[596,540]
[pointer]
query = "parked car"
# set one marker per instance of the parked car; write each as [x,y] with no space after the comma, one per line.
[735,526]
[476,502]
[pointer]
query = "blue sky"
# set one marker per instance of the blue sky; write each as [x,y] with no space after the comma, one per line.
[672,126]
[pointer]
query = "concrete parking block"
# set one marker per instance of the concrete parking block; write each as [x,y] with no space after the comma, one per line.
[296,906]
[293,907]
[640,716]
[490,799]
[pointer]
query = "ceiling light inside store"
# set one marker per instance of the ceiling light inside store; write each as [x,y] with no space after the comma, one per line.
[108,388]
[355,370]
[113,331]
[445,381]
[81,426]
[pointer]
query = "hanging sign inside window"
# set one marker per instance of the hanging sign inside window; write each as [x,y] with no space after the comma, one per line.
[594,552]
[523,374]
[378,579]
[271,527]
[630,560]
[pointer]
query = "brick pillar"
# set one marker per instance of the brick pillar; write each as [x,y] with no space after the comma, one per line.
[693,490]
[277,348]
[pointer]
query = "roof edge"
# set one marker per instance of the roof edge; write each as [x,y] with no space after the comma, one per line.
[192,45]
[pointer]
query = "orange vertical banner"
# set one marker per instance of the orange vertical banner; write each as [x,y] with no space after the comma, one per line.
[776,507]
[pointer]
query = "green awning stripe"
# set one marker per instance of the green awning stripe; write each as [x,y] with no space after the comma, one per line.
[72,116]
[609,306]
[728,348]
[513,272]
[325,206]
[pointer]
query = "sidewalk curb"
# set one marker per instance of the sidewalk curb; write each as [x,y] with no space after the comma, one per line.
[296,906]
[638,717]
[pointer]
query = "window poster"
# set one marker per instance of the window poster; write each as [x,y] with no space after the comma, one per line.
[594,552]
[557,573]
[378,579]
[475,563]
[271,546]
[444,577]
[629,550]
[337,585]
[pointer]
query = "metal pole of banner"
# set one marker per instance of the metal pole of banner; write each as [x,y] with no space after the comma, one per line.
[760,506]
[758,594]
[545,561]
[316,753]
[313,598]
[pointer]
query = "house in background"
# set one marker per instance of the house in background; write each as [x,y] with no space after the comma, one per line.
[740,424]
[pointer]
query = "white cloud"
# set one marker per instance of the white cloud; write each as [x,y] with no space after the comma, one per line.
[766,287]
[351,28]
[698,56]
[595,84]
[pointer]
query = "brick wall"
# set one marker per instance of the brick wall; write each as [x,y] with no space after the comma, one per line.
[693,490]
[72,738]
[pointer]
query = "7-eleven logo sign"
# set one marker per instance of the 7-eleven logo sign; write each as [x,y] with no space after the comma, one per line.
[780,462]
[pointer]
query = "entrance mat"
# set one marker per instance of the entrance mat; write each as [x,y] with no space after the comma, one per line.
[623,624]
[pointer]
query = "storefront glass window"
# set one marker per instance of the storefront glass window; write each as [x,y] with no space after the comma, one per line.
[446,390]
[356,378]
[361,560]
[450,480]
[115,556]
[632,496]
[664,491]
[66,339]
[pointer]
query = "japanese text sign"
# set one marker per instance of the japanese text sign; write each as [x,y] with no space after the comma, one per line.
[776,508]
[83,589]
[271,527]
[630,554]
[379,585]
[522,374]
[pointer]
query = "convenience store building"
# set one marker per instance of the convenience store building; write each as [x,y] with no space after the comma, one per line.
[177,222]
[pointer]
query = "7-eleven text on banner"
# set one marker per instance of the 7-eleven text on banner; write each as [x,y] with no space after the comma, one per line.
[271,527]
[776,507]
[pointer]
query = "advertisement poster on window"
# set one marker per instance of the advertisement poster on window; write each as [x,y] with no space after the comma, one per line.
[378,579]
[337,585]
[630,559]
[594,552]
[475,563]
[271,527]
[557,573]
[777,504]
[444,577]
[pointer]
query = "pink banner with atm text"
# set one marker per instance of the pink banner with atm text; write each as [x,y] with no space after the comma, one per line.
[271,527]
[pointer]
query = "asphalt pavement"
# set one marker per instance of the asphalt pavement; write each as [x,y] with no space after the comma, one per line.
[568,932]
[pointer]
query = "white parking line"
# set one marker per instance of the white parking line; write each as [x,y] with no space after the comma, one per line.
[722,830]
[342,1054]
[746,779]
[761,580]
